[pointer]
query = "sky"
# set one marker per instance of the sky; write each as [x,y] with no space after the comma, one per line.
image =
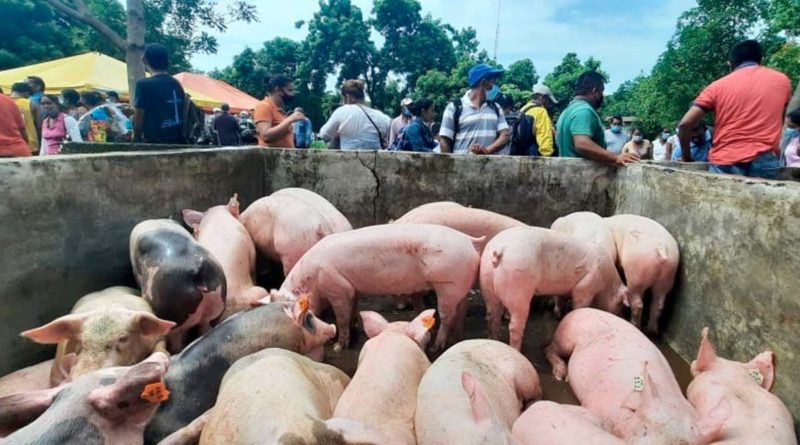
[626,35]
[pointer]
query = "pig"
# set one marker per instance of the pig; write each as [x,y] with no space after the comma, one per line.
[620,376]
[196,372]
[219,231]
[180,279]
[473,393]
[287,223]
[588,227]
[32,378]
[382,396]
[549,423]
[112,327]
[295,396]
[649,256]
[757,416]
[523,262]
[107,406]
[390,259]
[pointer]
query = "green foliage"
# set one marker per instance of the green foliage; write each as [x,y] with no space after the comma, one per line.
[522,74]
[564,77]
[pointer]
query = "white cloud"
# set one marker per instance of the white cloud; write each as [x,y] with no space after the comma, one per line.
[626,35]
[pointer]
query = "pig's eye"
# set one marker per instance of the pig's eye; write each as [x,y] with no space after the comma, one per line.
[308,321]
[122,340]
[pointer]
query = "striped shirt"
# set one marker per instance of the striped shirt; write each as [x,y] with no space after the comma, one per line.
[475,125]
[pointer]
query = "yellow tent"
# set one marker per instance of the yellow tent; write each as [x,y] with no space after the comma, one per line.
[90,71]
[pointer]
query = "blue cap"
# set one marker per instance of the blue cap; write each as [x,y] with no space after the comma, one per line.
[483,71]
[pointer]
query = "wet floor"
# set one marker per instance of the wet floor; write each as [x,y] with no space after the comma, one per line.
[538,332]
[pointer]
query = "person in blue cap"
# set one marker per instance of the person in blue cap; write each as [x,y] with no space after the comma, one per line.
[474,123]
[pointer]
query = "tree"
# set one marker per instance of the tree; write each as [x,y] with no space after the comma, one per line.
[563,79]
[170,20]
[521,73]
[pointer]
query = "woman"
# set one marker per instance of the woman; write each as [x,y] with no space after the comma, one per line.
[354,125]
[71,100]
[95,124]
[638,145]
[57,127]
[13,134]
[417,135]
[791,152]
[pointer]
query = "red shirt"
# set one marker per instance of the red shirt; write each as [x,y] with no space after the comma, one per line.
[11,128]
[749,104]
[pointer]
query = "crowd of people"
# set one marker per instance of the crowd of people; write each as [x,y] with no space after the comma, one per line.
[749,106]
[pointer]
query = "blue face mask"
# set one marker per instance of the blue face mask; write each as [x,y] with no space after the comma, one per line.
[616,129]
[492,94]
[791,133]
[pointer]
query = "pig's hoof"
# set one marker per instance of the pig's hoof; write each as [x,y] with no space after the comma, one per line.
[338,348]
[560,373]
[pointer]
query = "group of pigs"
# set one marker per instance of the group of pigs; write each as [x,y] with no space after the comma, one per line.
[245,365]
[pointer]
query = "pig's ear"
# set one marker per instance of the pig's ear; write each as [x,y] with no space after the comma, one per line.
[420,326]
[143,381]
[61,328]
[300,310]
[373,323]
[65,366]
[192,218]
[481,408]
[710,426]
[151,326]
[764,363]
[706,356]
[20,409]
[233,205]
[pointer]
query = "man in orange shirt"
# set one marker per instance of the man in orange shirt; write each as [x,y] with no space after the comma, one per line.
[13,136]
[273,127]
[749,105]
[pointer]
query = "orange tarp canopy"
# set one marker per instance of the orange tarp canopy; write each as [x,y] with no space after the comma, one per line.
[218,90]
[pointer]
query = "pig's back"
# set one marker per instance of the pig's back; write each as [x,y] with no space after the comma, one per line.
[473,222]
[642,236]
[337,221]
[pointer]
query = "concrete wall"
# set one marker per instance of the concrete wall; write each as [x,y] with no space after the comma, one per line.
[740,271]
[65,222]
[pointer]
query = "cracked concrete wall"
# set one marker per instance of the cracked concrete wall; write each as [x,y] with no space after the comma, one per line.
[740,246]
[65,223]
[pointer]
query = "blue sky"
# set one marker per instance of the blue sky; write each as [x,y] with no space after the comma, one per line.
[626,35]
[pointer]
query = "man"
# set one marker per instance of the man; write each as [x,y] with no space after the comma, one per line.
[699,145]
[580,132]
[273,127]
[226,127]
[160,101]
[13,135]
[112,97]
[20,92]
[477,124]
[247,128]
[538,108]
[615,137]
[660,147]
[303,131]
[401,121]
[37,91]
[749,106]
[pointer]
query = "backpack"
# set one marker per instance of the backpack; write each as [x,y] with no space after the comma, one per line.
[459,107]
[523,135]
[193,123]
[400,142]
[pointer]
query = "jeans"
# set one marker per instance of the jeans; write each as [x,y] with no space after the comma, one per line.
[766,166]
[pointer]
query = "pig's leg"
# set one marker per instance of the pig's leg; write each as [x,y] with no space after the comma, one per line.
[448,297]
[519,307]
[556,352]
[636,292]
[343,309]
[660,290]
[461,318]
[494,307]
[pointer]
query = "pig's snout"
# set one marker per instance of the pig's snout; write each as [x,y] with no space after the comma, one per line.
[329,330]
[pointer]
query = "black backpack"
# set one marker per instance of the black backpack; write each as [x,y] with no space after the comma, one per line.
[523,135]
[459,107]
[193,124]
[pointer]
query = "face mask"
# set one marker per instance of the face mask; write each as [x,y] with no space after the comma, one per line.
[791,133]
[406,112]
[492,94]
[599,102]
[637,138]
[665,136]
[616,129]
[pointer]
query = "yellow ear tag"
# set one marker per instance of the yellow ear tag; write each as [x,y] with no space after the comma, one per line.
[428,322]
[155,392]
[303,303]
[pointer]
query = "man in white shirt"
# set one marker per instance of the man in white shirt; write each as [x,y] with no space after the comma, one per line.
[615,137]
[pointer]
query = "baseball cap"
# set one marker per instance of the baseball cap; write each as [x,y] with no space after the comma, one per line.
[406,102]
[545,91]
[483,71]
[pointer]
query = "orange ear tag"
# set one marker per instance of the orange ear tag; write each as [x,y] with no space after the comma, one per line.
[303,303]
[428,322]
[155,392]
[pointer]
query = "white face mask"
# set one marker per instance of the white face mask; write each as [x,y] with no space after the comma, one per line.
[637,138]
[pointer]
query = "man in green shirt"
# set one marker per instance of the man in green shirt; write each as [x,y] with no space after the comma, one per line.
[580,131]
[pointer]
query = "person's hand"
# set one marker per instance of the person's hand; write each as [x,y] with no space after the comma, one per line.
[627,158]
[296,116]
[478,149]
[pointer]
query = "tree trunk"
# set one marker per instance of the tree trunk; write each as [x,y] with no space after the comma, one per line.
[134,50]
[795,102]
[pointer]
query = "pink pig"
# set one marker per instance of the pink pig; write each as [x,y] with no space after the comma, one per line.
[285,224]
[391,259]
[390,367]
[548,423]
[757,416]
[522,262]
[620,376]
[649,256]
[219,231]
[473,393]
